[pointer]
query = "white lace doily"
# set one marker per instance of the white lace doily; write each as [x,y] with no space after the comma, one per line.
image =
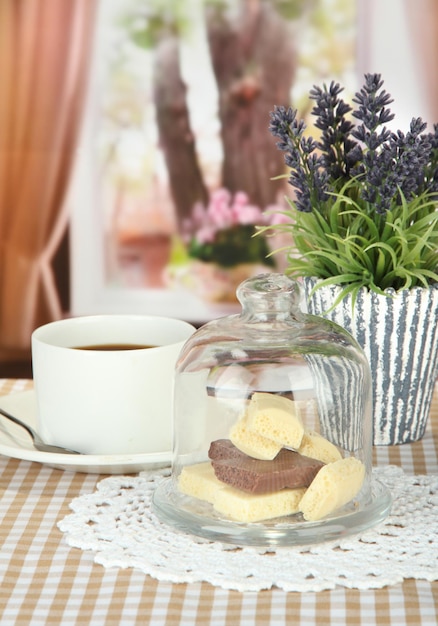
[117,523]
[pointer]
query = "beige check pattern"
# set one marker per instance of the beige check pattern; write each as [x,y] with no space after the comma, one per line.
[43,581]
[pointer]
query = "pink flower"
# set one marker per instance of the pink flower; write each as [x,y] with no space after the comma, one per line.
[219,211]
[240,199]
[221,195]
[206,234]
[225,211]
[249,215]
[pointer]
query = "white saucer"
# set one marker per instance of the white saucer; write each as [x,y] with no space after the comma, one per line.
[16,443]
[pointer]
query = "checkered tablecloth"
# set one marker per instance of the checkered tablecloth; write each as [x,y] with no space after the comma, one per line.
[43,581]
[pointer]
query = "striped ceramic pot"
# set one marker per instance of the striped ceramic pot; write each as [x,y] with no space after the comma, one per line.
[399,335]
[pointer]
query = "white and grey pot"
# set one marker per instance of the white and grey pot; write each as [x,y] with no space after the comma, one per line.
[399,335]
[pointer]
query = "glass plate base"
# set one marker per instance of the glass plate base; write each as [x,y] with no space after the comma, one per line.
[197,517]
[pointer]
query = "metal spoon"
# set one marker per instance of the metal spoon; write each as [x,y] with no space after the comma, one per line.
[37,441]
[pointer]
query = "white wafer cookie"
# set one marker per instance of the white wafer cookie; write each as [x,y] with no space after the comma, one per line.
[199,481]
[334,485]
[276,418]
[245,507]
[251,443]
[317,447]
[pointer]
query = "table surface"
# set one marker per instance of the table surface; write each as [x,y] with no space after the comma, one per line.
[44,581]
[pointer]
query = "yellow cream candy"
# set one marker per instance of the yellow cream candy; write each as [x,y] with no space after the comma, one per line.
[317,447]
[245,507]
[251,443]
[334,485]
[276,418]
[199,481]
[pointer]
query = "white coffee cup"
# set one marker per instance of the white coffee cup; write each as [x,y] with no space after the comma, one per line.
[107,401]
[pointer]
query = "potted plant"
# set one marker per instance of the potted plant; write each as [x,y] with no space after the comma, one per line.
[219,249]
[364,225]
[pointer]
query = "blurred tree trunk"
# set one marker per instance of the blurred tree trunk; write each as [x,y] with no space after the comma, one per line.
[176,137]
[254,62]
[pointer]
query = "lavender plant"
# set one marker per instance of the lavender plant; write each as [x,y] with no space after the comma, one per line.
[364,212]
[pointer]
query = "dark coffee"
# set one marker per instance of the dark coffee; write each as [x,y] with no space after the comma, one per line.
[110,347]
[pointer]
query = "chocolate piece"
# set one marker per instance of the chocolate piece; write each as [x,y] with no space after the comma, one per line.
[288,469]
[224,449]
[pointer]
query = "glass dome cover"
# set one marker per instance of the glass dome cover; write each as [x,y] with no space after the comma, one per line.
[272,426]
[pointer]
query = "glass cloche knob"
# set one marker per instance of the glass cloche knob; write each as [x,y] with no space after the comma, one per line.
[272,426]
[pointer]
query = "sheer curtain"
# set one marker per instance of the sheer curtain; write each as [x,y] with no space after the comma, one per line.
[45,51]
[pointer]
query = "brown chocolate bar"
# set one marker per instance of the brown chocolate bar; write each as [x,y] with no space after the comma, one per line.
[288,470]
[224,449]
